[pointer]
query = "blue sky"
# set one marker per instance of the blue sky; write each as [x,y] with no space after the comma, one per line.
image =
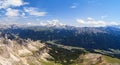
[71,12]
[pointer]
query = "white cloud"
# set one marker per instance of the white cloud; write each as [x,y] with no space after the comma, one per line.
[54,22]
[29,23]
[74,5]
[90,22]
[9,7]
[8,3]
[34,11]
[12,12]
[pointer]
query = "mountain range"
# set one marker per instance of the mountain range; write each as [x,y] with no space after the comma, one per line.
[65,41]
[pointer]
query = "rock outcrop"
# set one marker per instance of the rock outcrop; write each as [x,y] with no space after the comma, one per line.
[22,52]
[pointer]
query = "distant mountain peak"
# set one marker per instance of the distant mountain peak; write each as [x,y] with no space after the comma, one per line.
[53,23]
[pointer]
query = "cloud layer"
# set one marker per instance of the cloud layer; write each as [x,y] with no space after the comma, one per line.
[15,8]
[90,22]
[12,12]
[34,11]
[54,22]
[11,3]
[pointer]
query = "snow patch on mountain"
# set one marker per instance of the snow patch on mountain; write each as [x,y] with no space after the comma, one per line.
[52,23]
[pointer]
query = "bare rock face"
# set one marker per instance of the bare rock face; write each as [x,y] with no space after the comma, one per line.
[14,52]
[94,58]
[3,52]
[28,52]
[24,52]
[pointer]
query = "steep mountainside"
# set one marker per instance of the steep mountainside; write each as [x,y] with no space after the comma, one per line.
[22,52]
[28,52]
[106,39]
[61,46]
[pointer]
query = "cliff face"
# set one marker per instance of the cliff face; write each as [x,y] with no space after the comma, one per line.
[22,52]
[28,52]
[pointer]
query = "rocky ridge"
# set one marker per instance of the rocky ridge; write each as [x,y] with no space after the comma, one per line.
[22,52]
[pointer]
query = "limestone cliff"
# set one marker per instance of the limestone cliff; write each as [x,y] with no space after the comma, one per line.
[22,52]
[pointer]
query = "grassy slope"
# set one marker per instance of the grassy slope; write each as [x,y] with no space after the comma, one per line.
[111,60]
[107,59]
[52,63]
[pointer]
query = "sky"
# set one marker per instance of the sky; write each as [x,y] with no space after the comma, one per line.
[70,12]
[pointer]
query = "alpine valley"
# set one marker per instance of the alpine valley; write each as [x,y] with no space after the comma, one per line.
[59,45]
